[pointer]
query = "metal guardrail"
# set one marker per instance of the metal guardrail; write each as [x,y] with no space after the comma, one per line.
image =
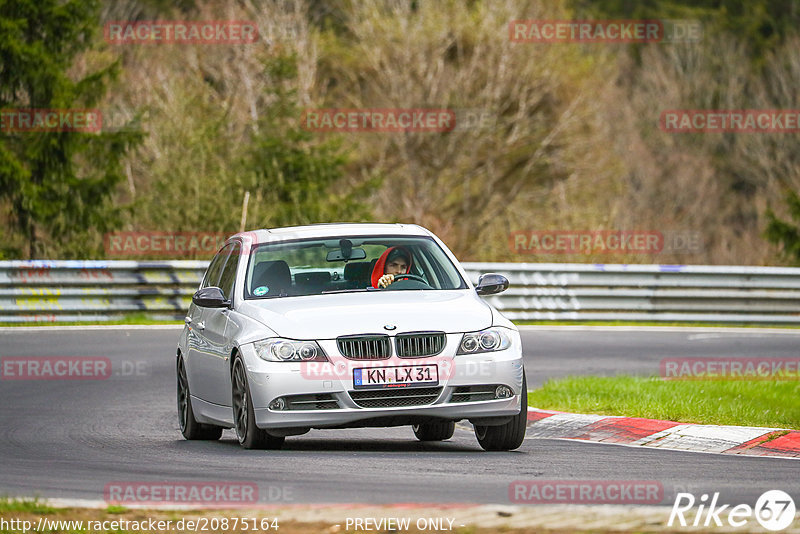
[52,291]
[587,292]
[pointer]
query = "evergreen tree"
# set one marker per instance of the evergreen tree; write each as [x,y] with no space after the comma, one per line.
[299,178]
[55,185]
[785,233]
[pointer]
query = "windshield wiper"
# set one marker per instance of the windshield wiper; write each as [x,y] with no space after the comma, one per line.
[357,290]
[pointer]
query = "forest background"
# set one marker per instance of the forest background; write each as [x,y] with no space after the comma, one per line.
[569,137]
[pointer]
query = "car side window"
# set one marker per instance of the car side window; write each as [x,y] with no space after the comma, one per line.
[228,277]
[215,267]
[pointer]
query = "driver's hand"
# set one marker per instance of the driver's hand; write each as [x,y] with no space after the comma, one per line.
[385,280]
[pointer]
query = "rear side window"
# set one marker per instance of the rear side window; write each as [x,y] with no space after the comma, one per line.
[215,268]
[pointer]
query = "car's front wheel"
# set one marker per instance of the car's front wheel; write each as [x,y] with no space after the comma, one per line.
[510,435]
[190,428]
[250,436]
[438,431]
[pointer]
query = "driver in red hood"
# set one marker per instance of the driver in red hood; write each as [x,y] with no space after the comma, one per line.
[393,261]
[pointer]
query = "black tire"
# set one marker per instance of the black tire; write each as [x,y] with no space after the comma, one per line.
[244,419]
[190,428]
[438,431]
[509,436]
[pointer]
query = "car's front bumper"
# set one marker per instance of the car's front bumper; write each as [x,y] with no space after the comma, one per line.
[333,382]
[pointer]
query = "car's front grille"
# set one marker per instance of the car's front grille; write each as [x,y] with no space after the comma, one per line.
[473,393]
[318,401]
[364,347]
[420,344]
[393,398]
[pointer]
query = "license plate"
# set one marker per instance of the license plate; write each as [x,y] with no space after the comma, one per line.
[396,377]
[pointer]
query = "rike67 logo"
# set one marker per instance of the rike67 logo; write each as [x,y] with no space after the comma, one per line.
[774,510]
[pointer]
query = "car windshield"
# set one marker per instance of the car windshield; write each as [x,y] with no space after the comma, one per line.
[345,264]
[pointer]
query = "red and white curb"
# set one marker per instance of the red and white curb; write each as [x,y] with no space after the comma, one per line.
[747,441]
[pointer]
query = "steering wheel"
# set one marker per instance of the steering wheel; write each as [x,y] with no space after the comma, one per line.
[410,277]
[408,281]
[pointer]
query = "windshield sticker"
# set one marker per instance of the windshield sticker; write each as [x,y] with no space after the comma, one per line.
[260,291]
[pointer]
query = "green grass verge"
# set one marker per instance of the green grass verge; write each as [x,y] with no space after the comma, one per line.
[25,514]
[720,402]
[34,506]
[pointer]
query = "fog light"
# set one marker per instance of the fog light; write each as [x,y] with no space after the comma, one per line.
[278,404]
[503,392]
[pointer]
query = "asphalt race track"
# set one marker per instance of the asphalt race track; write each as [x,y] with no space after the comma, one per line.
[69,438]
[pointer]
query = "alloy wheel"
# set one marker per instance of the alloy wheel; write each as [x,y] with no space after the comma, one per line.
[240,399]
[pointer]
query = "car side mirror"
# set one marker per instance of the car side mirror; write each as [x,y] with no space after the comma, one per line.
[211,297]
[491,284]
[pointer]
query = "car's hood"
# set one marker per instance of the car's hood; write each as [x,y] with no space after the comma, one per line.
[332,315]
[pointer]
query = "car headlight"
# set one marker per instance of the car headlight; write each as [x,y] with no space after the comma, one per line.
[288,350]
[488,340]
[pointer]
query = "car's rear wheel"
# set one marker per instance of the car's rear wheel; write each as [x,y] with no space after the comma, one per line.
[250,436]
[510,435]
[190,428]
[437,431]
